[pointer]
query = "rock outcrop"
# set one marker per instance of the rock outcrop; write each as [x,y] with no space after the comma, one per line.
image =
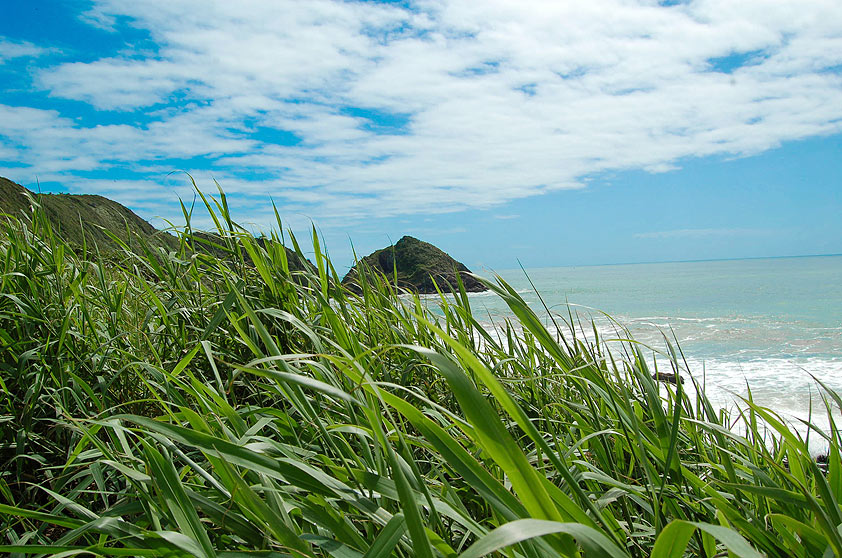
[417,264]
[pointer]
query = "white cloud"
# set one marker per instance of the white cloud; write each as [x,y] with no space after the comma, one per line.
[503,100]
[18,49]
[114,83]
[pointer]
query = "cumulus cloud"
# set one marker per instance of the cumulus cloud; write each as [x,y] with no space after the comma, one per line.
[343,109]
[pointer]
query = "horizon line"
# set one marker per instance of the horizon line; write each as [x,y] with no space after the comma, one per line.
[700,260]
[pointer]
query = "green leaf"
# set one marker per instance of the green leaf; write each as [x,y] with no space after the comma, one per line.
[176,499]
[673,540]
[388,538]
[595,544]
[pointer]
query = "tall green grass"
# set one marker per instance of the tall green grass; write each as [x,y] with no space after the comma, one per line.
[186,404]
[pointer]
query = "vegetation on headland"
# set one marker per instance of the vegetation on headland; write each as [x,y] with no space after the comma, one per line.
[178,403]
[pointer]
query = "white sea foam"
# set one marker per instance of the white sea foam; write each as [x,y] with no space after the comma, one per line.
[787,386]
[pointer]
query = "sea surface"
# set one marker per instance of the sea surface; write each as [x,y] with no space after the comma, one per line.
[765,323]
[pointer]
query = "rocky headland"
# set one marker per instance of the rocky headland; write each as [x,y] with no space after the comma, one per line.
[417,264]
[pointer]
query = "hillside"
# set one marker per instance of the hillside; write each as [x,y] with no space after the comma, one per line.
[417,264]
[85,217]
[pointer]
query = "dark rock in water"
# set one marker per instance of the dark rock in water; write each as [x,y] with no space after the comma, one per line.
[417,264]
[668,377]
[822,462]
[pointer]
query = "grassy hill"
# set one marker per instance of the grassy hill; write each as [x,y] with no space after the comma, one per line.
[79,218]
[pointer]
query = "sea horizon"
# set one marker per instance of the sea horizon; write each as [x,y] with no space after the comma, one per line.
[650,262]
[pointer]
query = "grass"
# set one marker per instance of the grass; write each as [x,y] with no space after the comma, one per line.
[183,403]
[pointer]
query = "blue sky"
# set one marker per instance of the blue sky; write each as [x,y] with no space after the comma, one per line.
[554,133]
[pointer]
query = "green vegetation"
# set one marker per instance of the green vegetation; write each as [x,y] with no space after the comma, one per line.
[176,403]
[417,266]
[83,219]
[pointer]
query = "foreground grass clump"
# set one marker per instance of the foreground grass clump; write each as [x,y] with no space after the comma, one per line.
[176,403]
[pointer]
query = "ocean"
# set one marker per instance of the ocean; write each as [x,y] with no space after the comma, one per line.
[768,324]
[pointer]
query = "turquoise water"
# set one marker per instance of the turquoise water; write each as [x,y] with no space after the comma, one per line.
[768,322]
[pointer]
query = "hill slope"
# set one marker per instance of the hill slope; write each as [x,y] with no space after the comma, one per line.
[417,264]
[83,216]
[77,217]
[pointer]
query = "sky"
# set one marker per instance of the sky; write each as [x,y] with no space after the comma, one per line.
[540,132]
